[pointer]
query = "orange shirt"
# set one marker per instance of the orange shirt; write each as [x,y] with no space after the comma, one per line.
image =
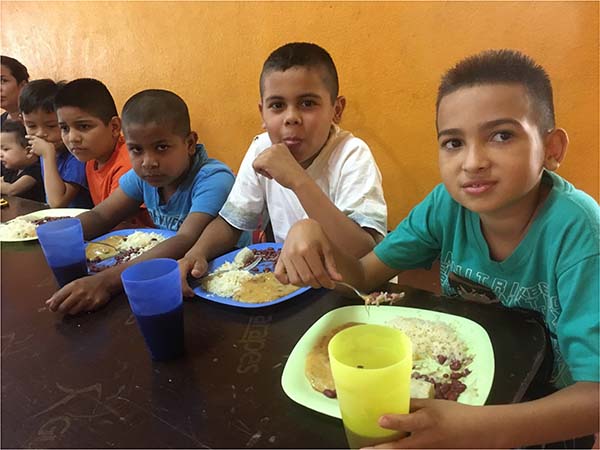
[102,182]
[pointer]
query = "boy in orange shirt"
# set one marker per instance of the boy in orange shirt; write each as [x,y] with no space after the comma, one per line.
[91,129]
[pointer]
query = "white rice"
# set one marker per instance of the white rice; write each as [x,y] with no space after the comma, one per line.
[140,240]
[17,229]
[225,284]
[429,340]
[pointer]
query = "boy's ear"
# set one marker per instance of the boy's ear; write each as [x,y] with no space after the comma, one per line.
[115,126]
[338,108]
[260,109]
[555,144]
[191,141]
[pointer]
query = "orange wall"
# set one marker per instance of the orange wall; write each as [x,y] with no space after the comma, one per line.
[390,56]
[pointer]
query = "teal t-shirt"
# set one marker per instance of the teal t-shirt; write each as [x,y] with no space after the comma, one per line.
[554,269]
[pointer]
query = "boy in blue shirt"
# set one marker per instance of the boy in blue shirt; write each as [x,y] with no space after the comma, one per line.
[182,187]
[519,233]
[64,177]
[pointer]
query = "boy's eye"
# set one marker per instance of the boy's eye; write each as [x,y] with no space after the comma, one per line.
[162,147]
[276,105]
[452,144]
[84,126]
[135,150]
[308,103]
[64,128]
[502,136]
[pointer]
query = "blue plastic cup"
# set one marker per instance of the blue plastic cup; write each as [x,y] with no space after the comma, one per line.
[153,288]
[63,246]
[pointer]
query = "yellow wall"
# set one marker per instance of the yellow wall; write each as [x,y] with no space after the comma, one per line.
[390,56]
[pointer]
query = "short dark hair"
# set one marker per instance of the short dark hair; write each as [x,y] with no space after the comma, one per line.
[503,66]
[160,107]
[38,94]
[18,70]
[302,54]
[89,95]
[16,127]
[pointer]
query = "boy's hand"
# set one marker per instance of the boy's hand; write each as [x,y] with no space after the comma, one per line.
[307,257]
[194,266]
[40,147]
[278,163]
[439,424]
[84,294]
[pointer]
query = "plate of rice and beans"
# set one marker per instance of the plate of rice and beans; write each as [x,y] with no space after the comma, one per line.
[128,244]
[453,358]
[22,228]
[227,281]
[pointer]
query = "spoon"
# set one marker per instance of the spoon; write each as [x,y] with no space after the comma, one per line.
[362,295]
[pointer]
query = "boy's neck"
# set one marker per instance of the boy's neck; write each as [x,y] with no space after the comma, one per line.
[100,162]
[503,233]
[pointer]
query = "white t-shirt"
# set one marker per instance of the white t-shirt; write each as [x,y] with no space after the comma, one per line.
[345,170]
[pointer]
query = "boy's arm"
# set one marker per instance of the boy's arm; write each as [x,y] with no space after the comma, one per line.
[218,238]
[23,184]
[89,293]
[278,163]
[108,214]
[569,413]
[310,258]
[58,192]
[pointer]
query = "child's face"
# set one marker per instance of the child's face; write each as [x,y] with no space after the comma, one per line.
[491,153]
[9,89]
[12,153]
[296,110]
[43,125]
[158,156]
[86,136]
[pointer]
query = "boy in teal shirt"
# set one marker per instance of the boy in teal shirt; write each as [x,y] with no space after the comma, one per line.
[517,233]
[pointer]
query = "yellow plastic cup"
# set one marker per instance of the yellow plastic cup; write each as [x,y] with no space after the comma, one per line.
[371,367]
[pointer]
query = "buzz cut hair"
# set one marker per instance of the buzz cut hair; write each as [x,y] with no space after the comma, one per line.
[160,107]
[17,69]
[504,66]
[302,54]
[89,95]
[18,129]
[39,94]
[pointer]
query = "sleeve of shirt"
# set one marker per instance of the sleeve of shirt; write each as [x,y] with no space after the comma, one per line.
[416,241]
[211,190]
[132,185]
[73,171]
[578,326]
[116,175]
[358,188]
[246,202]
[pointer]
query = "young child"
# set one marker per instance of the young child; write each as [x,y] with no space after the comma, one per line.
[64,177]
[91,129]
[181,186]
[22,175]
[505,221]
[303,166]
[13,76]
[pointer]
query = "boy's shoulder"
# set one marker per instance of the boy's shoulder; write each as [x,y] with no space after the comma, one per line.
[569,205]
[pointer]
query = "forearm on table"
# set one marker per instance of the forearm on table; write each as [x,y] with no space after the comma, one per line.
[340,229]
[217,238]
[569,413]
[94,224]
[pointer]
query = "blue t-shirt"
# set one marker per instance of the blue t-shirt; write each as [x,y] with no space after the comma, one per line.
[72,171]
[204,190]
[554,270]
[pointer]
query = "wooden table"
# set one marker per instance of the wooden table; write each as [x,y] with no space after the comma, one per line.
[87,381]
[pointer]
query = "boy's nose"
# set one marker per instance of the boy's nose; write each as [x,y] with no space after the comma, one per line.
[292,117]
[475,159]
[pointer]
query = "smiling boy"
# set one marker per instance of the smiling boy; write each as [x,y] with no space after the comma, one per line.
[182,188]
[503,220]
[303,166]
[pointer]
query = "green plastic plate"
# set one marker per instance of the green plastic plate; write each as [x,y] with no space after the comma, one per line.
[479,382]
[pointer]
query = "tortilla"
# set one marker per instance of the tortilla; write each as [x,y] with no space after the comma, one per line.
[262,288]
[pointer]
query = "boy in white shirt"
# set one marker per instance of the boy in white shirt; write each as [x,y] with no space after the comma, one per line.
[303,166]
